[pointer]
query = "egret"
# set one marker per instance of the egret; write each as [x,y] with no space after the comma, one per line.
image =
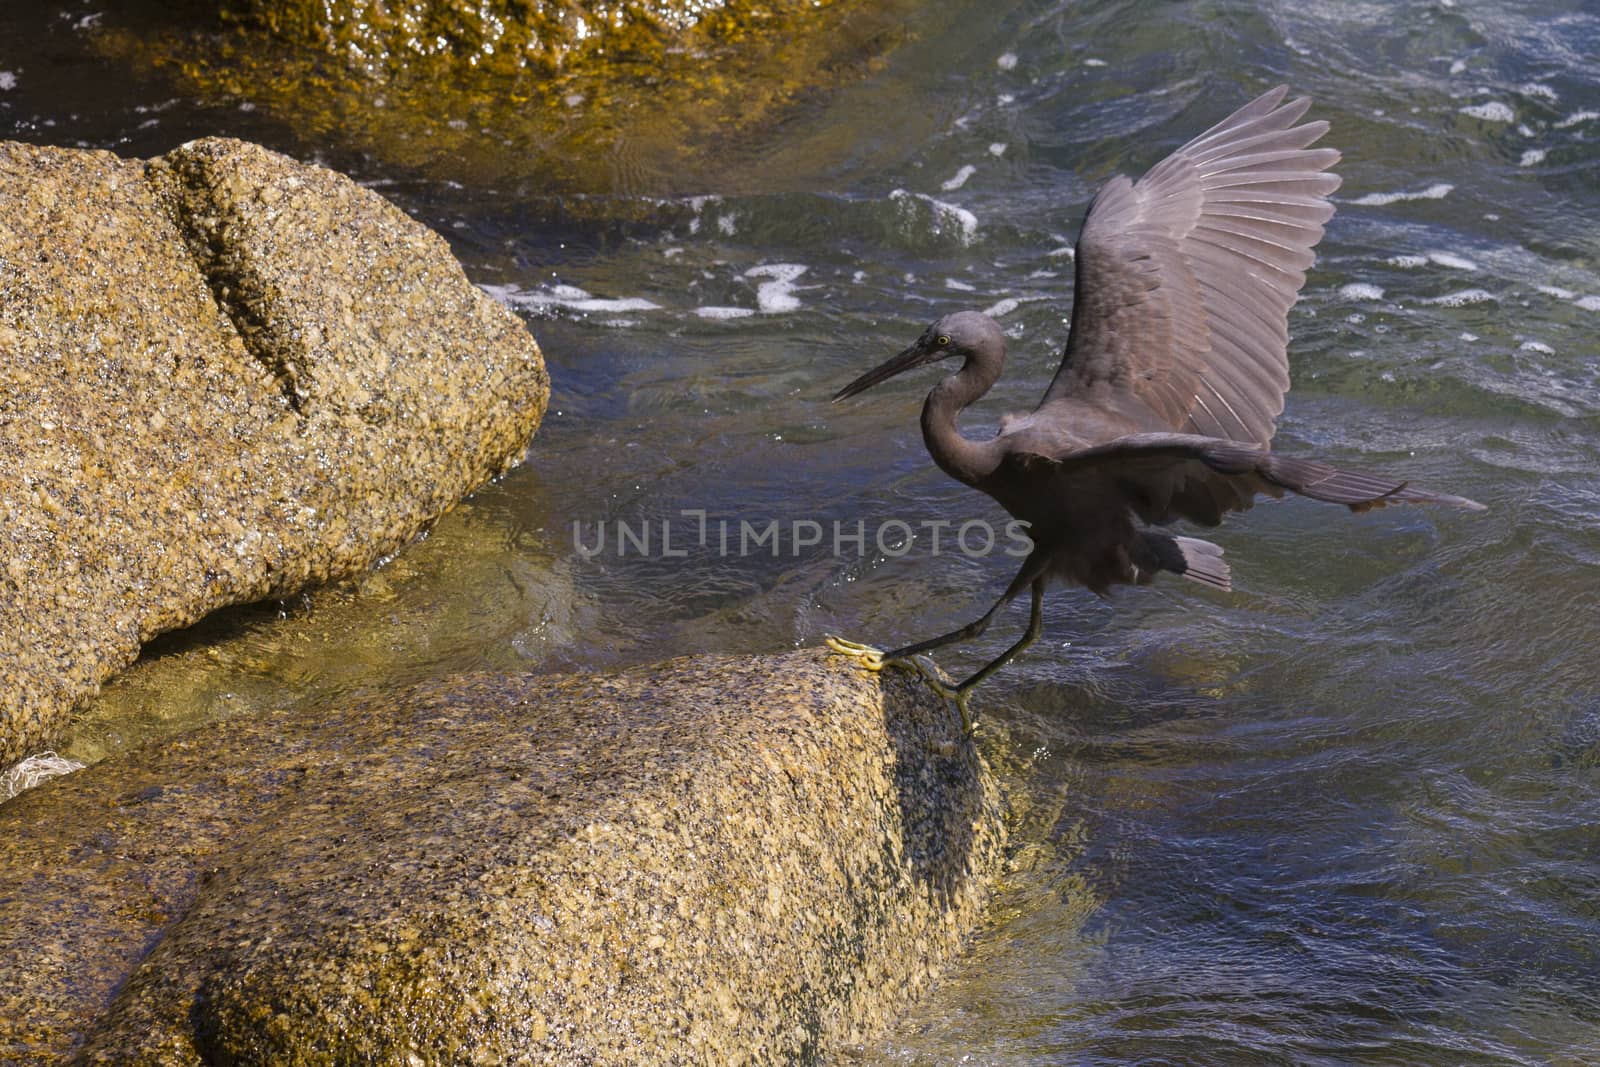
[1174,374]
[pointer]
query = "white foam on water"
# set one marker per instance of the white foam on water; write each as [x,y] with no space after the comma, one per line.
[1462,298]
[627,303]
[8,80]
[1493,111]
[858,277]
[1432,192]
[1005,98]
[776,295]
[1064,250]
[1360,291]
[1469,337]
[1577,117]
[959,178]
[1541,90]
[567,296]
[1458,66]
[714,312]
[1450,259]
[1007,61]
[1045,274]
[997,149]
[964,221]
[1407,262]
[959,286]
[1536,346]
[1588,303]
[1002,307]
[1556,291]
[1532,157]
[33,771]
[1094,62]
[725,224]
[698,205]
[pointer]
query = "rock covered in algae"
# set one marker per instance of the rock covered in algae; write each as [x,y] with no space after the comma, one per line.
[505,35]
[223,375]
[716,860]
[573,96]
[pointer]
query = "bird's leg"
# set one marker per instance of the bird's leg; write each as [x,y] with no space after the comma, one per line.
[962,692]
[1031,575]
[875,659]
[972,629]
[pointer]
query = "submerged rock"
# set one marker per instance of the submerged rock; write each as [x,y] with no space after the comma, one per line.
[627,97]
[714,860]
[224,375]
[506,35]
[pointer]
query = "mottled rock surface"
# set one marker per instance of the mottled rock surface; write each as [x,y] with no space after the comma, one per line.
[223,375]
[715,860]
[573,96]
[506,35]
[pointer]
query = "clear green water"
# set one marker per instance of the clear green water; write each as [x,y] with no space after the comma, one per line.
[1348,814]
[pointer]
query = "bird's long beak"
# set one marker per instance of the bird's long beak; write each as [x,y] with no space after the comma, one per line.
[914,356]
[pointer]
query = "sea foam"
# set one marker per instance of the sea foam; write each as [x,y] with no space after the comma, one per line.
[1432,192]
[776,294]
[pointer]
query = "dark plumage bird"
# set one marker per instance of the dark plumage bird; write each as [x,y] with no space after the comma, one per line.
[1174,374]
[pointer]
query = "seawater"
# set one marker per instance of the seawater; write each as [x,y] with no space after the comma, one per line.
[1349,814]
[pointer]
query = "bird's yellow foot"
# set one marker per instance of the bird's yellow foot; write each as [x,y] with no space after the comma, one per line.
[868,657]
[872,659]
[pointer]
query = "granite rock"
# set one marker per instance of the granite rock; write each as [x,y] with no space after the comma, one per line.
[224,375]
[714,860]
[628,97]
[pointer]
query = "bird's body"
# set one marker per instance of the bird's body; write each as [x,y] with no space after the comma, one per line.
[1173,377]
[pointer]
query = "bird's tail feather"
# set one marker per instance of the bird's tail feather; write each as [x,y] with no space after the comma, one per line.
[1203,563]
[1198,561]
[1354,489]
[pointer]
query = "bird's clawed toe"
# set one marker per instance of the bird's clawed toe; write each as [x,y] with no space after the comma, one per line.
[873,659]
[866,656]
[960,695]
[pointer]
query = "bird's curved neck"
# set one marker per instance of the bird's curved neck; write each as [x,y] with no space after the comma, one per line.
[965,460]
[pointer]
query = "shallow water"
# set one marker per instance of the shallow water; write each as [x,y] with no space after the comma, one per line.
[1349,813]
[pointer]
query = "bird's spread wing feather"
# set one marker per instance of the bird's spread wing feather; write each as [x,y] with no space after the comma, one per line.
[1185,279]
[1168,476]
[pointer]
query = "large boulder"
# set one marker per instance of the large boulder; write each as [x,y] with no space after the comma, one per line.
[223,375]
[550,96]
[506,36]
[716,860]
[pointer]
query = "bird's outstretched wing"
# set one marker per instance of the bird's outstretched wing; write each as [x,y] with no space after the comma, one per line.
[1168,476]
[1185,278]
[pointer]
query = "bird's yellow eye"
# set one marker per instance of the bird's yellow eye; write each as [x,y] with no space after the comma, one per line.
[943,340]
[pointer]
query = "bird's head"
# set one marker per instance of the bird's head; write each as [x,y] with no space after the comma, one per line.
[964,334]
